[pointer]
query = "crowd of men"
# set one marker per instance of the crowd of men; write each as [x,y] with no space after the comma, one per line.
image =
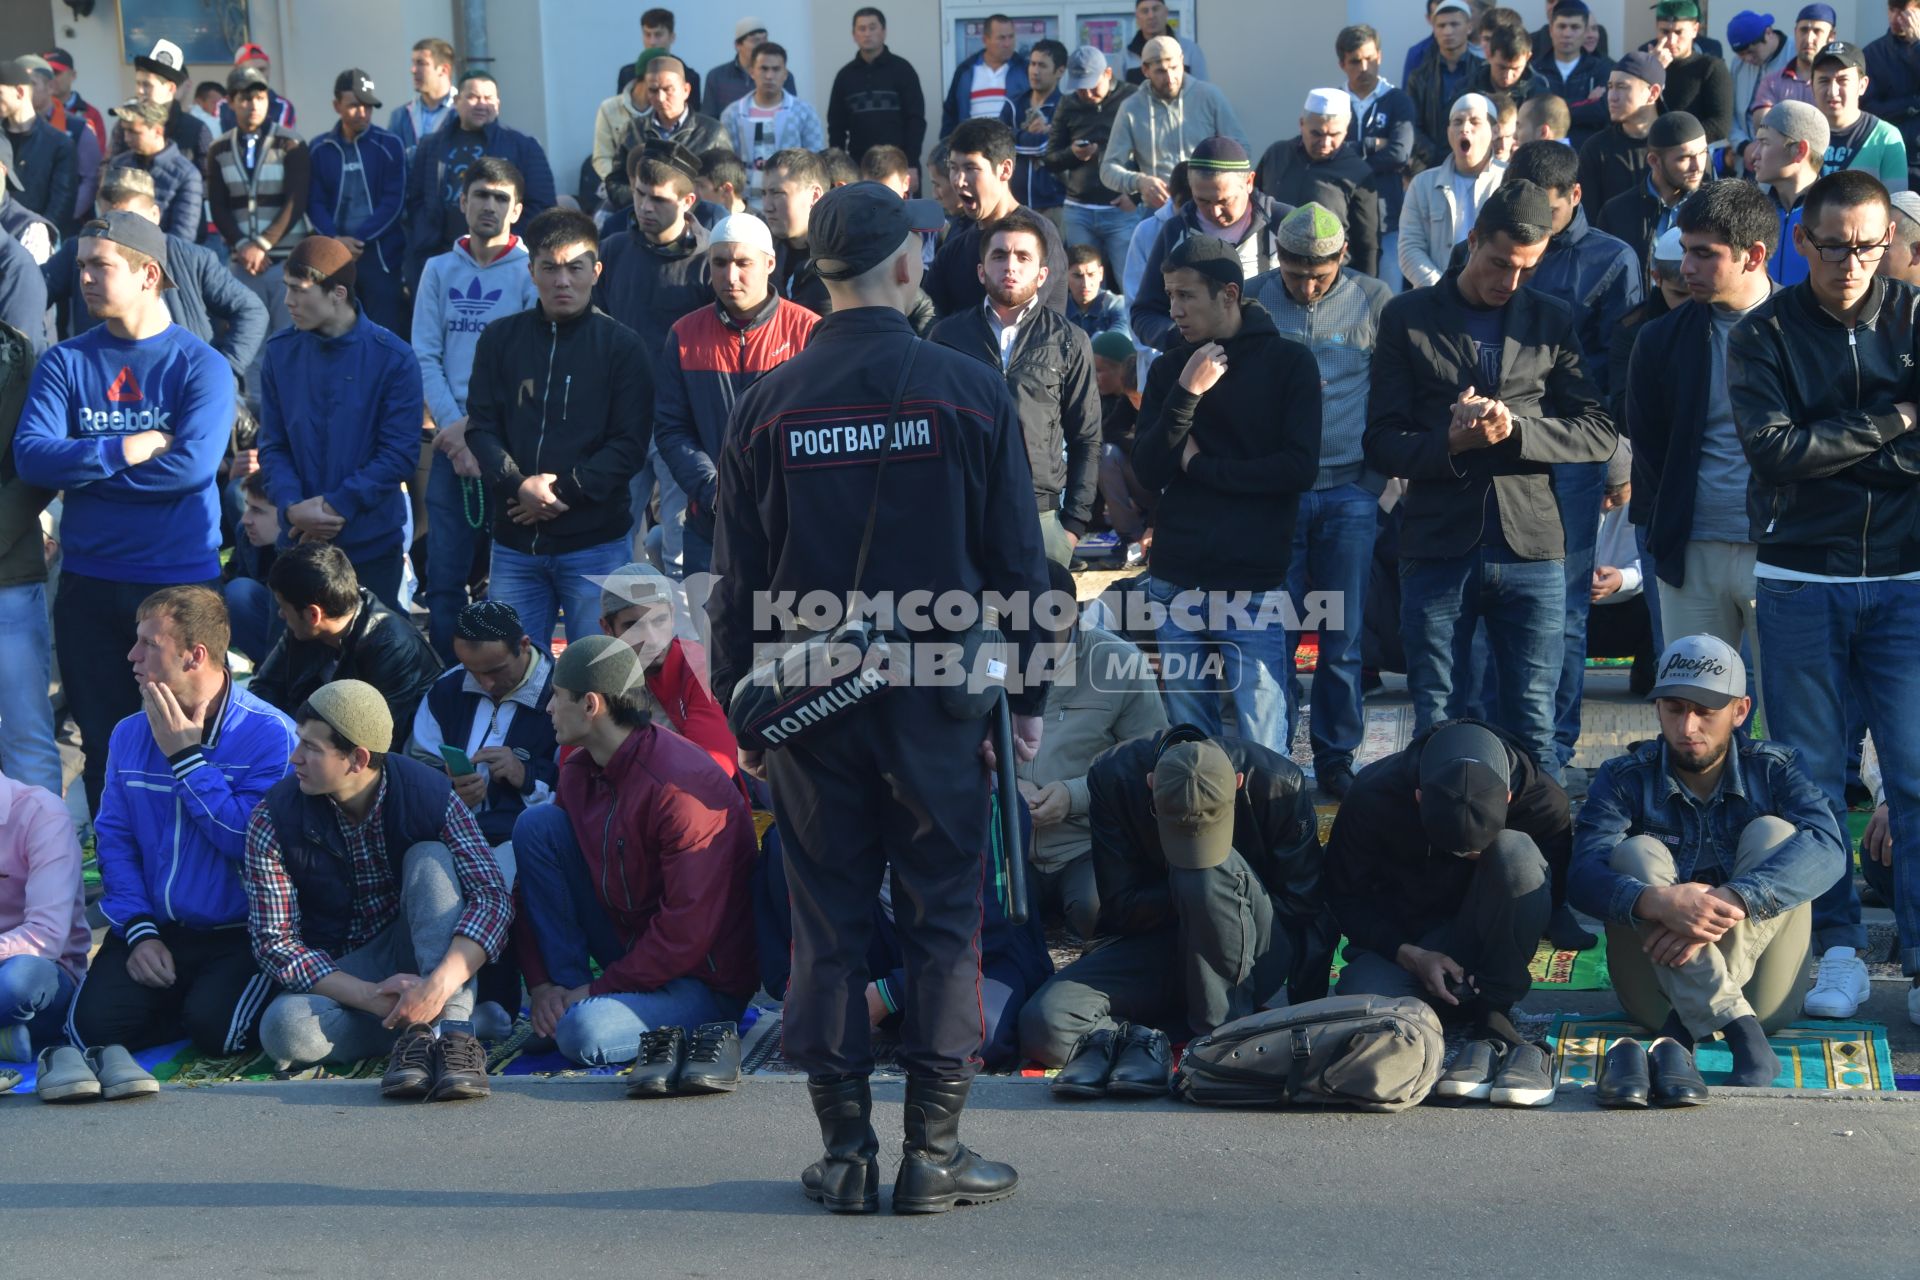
[1527,359]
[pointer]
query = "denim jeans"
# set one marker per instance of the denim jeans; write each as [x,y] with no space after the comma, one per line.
[1818,636]
[253,617]
[1524,605]
[36,991]
[571,929]
[27,749]
[1578,487]
[1333,552]
[1108,230]
[459,514]
[673,520]
[1202,663]
[1390,262]
[539,586]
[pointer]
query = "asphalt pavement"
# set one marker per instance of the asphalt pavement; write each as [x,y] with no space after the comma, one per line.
[566,1178]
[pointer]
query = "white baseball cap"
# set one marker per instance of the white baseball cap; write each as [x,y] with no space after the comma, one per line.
[742,228]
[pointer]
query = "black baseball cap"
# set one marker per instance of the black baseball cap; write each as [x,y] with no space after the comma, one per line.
[857,227]
[14,71]
[136,233]
[1465,776]
[359,84]
[1844,53]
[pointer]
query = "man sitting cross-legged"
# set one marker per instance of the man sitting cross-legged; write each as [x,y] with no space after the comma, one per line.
[373,899]
[642,865]
[1701,849]
[181,779]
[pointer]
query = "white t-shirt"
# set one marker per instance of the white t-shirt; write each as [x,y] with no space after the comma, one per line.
[1566,68]
[989,90]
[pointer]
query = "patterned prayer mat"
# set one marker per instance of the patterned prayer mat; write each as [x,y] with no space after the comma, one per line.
[1551,968]
[1852,1057]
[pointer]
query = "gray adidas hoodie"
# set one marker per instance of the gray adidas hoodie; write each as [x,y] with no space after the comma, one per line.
[458,298]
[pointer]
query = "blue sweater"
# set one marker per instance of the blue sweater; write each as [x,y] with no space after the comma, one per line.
[340,419]
[173,831]
[158,522]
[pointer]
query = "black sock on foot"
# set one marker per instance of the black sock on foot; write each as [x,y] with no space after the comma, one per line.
[1495,1024]
[1755,1065]
[1677,1030]
[1564,931]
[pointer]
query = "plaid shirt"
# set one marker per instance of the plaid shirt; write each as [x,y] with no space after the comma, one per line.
[273,904]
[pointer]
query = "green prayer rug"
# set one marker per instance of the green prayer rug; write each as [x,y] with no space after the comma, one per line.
[1851,1057]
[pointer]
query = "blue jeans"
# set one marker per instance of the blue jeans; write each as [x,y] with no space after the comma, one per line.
[1108,230]
[1815,638]
[571,929]
[1333,552]
[36,991]
[1390,262]
[459,514]
[27,749]
[252,616]
[1203,662]
[1524,605]
[1578,487]
[539,586]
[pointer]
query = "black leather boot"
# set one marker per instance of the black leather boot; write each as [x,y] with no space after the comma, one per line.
[847,1178]
[936,1172]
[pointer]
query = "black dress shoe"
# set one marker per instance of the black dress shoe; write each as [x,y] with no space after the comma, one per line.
[656,1072]
[1142,1064]
[1089,1065]
[1623,1076]
[1334,781]
[1676,1080]
[713,1060]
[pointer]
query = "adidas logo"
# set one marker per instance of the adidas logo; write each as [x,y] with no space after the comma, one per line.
[475,301]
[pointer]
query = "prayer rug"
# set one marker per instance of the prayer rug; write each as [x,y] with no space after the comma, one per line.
[1551,968]
[1851,1057]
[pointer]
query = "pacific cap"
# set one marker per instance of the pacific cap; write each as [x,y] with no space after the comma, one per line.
[1700,669]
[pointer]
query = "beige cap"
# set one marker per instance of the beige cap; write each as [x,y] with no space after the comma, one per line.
[357,712]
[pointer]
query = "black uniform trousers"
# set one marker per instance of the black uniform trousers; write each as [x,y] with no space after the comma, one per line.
[899,783]
[217,998]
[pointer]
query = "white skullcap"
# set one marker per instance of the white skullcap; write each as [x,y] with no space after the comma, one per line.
[1329,102]
[1668,248]
[742,228]
[1479,102]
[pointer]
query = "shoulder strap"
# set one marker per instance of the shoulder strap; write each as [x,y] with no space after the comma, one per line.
[880,472]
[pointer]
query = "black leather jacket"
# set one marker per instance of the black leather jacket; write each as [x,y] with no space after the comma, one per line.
[1275,829]
[382,648]
[1836,480]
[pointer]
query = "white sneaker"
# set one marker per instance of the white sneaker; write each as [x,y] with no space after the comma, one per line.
[1839,985]
[1913,1005]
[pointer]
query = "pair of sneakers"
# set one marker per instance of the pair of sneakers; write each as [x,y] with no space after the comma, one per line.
[448,1067]
[1516,1075]
[107,1073]
[673,1063]
[1841,984]
[1124,1061]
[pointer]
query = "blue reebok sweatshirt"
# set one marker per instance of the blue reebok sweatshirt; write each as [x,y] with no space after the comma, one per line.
[158,522]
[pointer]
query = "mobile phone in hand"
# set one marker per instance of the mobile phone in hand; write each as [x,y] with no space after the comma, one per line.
[458,763]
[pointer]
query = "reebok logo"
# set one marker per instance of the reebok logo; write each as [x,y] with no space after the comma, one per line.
[125,388]
[102,422]
[475,301]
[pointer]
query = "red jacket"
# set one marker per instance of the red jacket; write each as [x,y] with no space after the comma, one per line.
[689,705]
[668,842]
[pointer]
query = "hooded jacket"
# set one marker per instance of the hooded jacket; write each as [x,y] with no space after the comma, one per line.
[455,302]
[571,398]
[1151,314]
[1224,522]
[1151,134]
[172,830]
[1386,882]
[379,647]
[1274,828]
[706,365]
[668,843]
[1833,488]
[1050,373]
[340,418]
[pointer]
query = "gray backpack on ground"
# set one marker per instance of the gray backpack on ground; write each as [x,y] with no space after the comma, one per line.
[1370,1053]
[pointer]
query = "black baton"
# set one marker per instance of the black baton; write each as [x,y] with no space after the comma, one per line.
[1009,809]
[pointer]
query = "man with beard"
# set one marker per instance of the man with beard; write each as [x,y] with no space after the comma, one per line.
[980,165]
[1047,361]
[1702,851]
[1677,163]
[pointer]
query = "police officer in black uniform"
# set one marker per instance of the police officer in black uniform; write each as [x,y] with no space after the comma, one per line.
[896,780]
